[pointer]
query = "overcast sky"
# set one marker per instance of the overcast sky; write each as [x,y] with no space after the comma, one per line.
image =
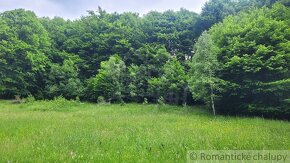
[73,9]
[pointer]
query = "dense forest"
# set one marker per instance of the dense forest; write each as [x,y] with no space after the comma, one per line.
[234,56]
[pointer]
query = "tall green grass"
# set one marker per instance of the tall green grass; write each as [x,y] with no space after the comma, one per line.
[69,131]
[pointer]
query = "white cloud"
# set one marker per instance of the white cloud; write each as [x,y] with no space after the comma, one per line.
[41,8]
[75,8]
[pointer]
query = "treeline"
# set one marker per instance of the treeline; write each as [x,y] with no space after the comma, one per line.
[239,66]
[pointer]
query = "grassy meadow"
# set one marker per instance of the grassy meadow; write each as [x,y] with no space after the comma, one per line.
[68,131]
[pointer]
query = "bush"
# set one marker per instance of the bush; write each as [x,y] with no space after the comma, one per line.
[122,103]
[161,101]
[108,82]
[30,99]
[59,104]
[101,100]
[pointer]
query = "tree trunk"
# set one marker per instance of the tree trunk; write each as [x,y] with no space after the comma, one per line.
[212,99]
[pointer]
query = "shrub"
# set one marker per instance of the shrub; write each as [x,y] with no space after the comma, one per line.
[101,100]
[108,82]
[161,101]
[60,103]
[30,99]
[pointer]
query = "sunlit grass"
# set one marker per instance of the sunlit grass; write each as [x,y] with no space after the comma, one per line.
[62,131]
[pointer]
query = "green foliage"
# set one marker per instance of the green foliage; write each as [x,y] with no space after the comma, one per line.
[57,104]
[27,28]
[30,99]
[109,81]
[254,57]
[150,59]
[47,58]
[171,84]
[63,81]
[161,101]
[174,82]
[155,88]
[137,85]
[175,30]
[203,68]
[101,100]
[23,46]
[203,81]
[60,103]
[214,11]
